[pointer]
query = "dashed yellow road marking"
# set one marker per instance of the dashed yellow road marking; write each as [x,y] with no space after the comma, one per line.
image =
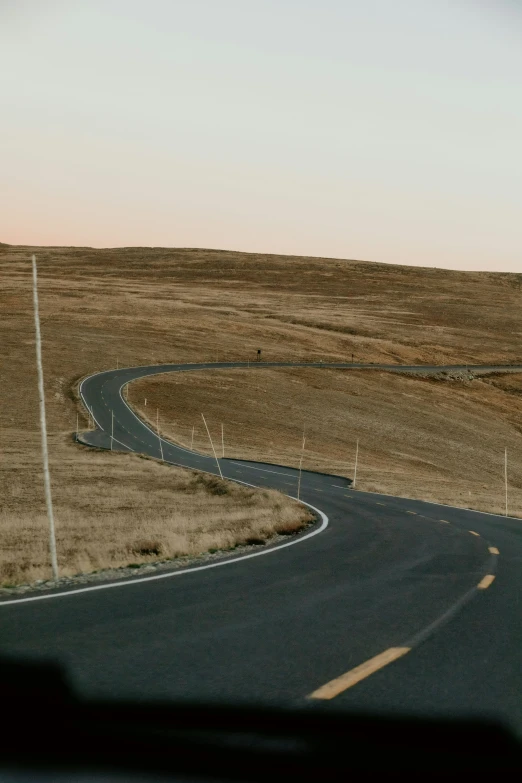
[445,521]
[485,582]
[493,550]
[380,504]
[411,512]
[351,678]
[473,533]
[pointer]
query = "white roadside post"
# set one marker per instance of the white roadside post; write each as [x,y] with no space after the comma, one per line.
[506,478]
[300,467]
[159,435]
[43,425]
[76,427]
[222,442]
[112,428]
[212,444]
[192,439]
[356,460]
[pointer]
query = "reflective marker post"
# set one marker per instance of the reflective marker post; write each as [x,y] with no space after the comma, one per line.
[212,444]
[505,479]
[356,460]
[300,466]
[159,435]
[43,426]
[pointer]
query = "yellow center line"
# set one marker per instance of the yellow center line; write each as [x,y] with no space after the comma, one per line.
[380,504]
[493,550]
[473,533]
[445,521]
[351,678]
[411,512]
[485,582]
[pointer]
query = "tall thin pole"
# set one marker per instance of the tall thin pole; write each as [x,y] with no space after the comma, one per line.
[300,466]
[77,427]
[159,435]
[222,442]
[356,460]
[112,428]
[43,426]
[505,478]
[212,444]
[192,439]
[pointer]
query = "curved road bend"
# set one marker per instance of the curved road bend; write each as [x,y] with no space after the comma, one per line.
[391,608]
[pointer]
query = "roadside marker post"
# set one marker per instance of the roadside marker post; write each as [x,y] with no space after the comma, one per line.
[159,435]
[112,428]
[300,467]
[43,425]
[77,427]
[212,444]
[356,461]
[222,442]
[506,479]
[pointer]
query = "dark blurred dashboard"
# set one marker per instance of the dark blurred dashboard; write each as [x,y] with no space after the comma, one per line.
[51,735]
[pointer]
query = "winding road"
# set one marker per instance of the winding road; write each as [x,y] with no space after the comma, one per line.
[388,605]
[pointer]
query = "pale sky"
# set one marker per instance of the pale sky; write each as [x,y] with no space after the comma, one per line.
[384,130]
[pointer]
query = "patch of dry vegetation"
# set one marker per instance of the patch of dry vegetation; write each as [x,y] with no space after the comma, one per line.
[145,305]
[122,510]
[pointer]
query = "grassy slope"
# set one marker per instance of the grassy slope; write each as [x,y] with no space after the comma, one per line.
[140,305]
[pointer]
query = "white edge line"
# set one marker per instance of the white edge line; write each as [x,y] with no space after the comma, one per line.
[434,503]
[181,571]
[85,401]
[144,423]
[92,414]
[124,445]
[261,470]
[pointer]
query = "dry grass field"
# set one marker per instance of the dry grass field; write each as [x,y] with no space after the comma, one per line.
[438,440]
[442,440]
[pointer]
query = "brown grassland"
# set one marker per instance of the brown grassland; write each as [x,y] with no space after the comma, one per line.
[436,439]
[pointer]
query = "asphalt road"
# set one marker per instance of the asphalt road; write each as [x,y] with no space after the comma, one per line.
[433,589]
